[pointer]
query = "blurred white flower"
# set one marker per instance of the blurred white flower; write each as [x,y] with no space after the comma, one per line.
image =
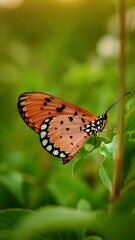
[108,46]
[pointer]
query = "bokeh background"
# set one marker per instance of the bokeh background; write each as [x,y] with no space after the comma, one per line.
[68,48]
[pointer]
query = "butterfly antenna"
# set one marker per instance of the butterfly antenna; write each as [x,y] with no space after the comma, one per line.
[116,102]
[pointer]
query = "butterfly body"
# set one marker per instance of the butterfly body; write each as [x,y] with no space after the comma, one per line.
[63,127]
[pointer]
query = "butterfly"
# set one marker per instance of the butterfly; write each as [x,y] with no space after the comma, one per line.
[63,127]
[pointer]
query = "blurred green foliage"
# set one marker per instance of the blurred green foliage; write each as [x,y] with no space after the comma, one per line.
[67,49]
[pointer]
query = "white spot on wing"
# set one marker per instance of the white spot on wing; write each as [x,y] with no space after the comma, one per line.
[47,120]
[62,155]
[43,134]
[49,148]
[55,152]
[44,126]
[44,142]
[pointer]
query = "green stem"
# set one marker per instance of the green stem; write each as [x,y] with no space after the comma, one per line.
[120,153]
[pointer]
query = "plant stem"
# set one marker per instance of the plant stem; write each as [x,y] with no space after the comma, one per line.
[120,153]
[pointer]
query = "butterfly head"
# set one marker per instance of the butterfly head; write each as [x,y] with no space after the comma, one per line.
[100,123]
[97,125]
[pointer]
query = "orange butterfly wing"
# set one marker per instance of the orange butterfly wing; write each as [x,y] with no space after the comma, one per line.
[63,136]
[35,107]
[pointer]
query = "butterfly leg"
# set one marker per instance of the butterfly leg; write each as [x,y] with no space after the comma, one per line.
[69,158]
[66,160]
[95,140]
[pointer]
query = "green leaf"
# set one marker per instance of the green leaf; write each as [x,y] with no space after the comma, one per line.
[130,122]
[93,238]
[60,185]
[130,178]
[52,219]
[131,136]
[13,181]
[60,219]
[8,220]
[92,144]
[106,171]
[10,217]
[130,104]
[84,205]
[130,116]
[78,160]
[126,201]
